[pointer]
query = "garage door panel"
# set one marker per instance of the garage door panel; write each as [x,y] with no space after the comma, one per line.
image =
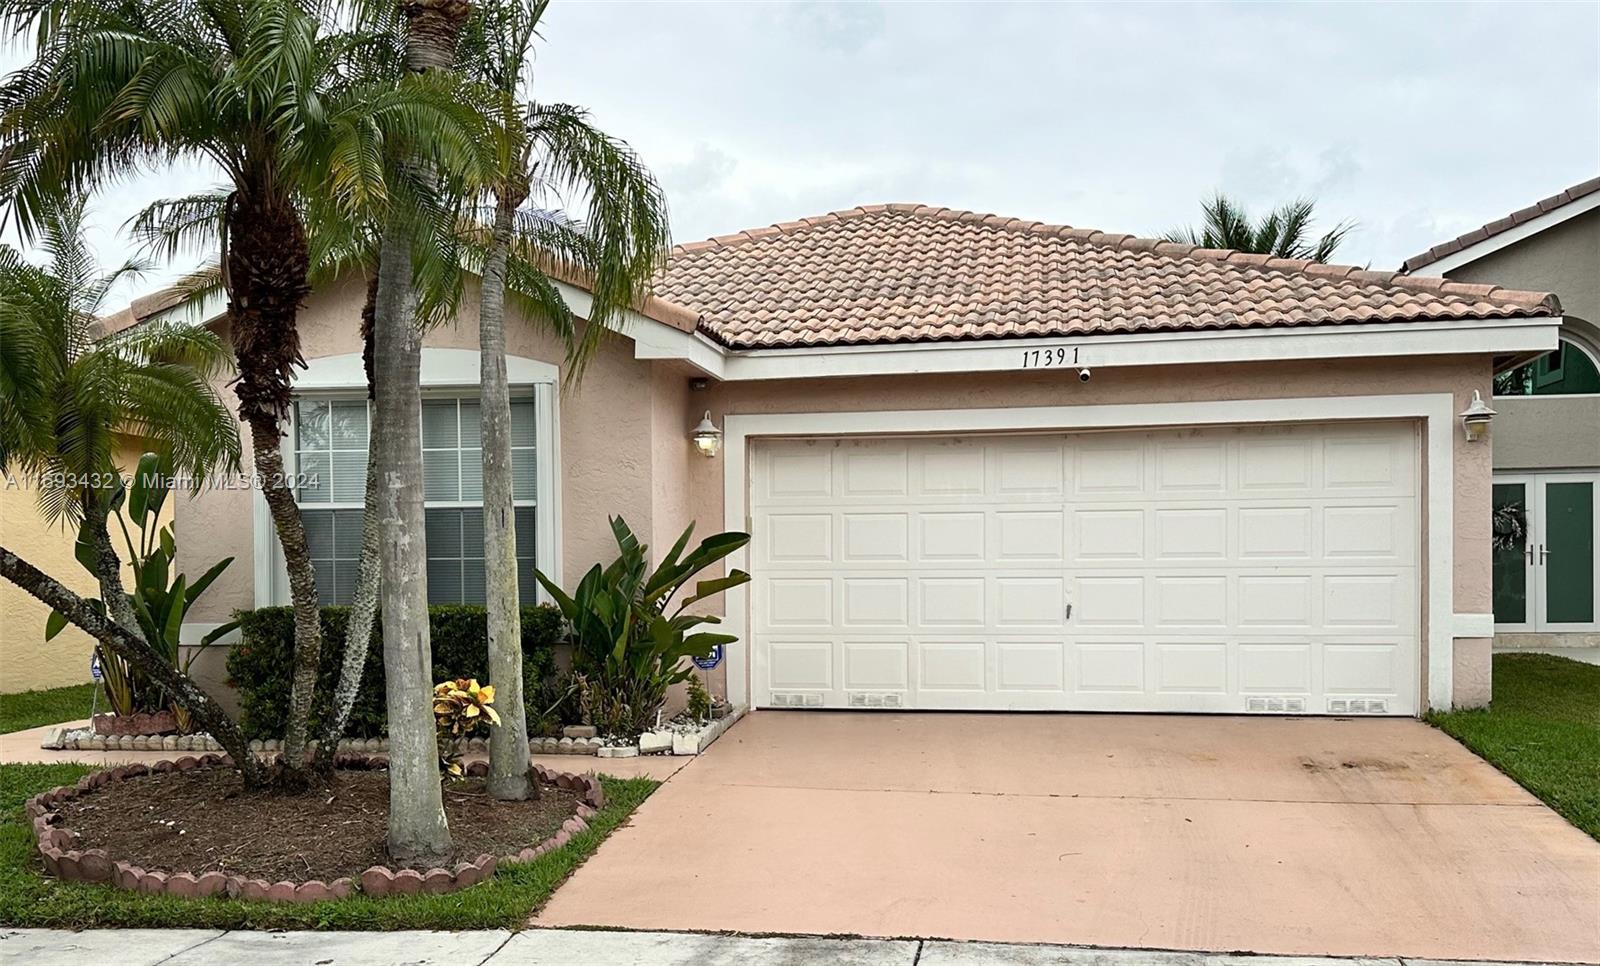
[1192,534]
[1030,536]
[867,537]
[1030,665]
[797,601]
[952,602]
[947,666]
[1198,601]
[1225,569]
[951,537]
[1268,601]
[1191,667]
[1275,668]
[1112,667]
[791,538]
[876,665]
[876,602]
[1107,535]
[1189,467]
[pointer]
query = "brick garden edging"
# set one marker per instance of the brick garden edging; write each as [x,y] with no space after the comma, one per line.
[96,865]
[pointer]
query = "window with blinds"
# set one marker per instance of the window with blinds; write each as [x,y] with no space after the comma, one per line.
[330,446]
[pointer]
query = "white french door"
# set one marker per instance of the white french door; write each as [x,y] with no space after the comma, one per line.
[1552,583]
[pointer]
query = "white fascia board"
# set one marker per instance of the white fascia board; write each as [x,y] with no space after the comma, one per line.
[1511,236]
[1494,336]
[652,339]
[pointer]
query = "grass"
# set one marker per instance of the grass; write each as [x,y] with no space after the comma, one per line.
[30,709]
[1543,730]
[29,898]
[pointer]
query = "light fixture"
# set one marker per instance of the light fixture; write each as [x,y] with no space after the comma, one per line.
[707,437]
[1475,418]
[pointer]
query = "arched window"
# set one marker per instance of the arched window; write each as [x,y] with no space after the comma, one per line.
[1571,370]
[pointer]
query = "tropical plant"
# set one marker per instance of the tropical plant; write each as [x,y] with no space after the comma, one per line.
[625,642]
[1285,231]
[161,599]
[68,393]
[543,154]
[699,701]
[265,90]
[460,708]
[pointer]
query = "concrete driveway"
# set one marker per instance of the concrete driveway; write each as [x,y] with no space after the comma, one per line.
[1291,836]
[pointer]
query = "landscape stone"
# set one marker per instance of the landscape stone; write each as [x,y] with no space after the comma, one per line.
[377,881]
[407,882]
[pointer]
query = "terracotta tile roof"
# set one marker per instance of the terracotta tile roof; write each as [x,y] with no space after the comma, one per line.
[1499,225]
[911,273]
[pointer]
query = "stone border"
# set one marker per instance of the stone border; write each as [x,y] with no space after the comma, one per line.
[57,740]
[96,865]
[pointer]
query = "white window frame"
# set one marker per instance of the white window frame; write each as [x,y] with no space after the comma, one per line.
[446,373]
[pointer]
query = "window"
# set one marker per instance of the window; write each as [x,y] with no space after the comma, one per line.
[330,449]
[1568,371]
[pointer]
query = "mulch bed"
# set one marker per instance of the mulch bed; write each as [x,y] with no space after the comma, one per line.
[204,820]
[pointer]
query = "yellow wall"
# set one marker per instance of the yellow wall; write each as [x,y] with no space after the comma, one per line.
[27,660]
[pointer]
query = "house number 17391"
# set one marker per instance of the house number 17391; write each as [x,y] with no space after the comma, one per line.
[1047,358]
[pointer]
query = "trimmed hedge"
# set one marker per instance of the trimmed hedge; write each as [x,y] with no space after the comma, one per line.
[259,666]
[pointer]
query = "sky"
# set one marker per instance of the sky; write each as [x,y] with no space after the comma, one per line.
[1415,121]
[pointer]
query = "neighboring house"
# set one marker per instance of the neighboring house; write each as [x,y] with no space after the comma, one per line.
[987,463]
[27,660]
[1547,434]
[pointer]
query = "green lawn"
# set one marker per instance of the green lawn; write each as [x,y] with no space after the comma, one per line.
[1543,730]
[30,709]
[30,898]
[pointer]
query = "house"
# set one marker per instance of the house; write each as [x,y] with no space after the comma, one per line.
[1547,431]
[986,463]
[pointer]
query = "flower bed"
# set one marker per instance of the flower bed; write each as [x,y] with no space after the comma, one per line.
[58,844]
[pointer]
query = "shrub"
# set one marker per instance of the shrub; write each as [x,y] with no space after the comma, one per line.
[461,708]
[699,705]
[259,665]
[626,643]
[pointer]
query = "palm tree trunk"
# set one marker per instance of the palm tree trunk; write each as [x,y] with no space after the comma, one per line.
[364,602]
[134,649]
[508,743]
[267,265]
[417,827]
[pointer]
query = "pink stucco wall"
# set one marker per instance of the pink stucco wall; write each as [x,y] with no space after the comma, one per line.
[625,450]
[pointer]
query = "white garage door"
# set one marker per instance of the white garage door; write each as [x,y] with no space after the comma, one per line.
[1223,570]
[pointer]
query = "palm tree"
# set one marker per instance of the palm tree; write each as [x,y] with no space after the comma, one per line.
[551,151]
[1283,233]
[263,90]
[66,394]
[417,826]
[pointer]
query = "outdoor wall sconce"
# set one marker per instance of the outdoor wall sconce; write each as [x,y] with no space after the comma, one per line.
[707,437]
[1475,418]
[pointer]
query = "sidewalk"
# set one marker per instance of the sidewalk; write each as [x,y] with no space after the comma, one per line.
[555,947]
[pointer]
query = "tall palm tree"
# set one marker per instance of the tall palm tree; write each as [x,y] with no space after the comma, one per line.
[262,89]
[417,826]
[1285,231]
[546,153]
[66,393]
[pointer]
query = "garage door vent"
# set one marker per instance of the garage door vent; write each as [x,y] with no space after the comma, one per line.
[1276,705]
[796,699]
[1358,706]
[868,699]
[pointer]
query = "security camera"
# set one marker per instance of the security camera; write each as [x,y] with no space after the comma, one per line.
[1084,374]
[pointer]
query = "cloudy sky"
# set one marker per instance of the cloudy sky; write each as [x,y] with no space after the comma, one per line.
[1416,121]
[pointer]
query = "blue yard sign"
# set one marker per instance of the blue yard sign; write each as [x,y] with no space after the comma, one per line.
[94,666]
[710,660]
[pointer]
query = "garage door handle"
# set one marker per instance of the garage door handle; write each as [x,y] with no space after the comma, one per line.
[1069,611]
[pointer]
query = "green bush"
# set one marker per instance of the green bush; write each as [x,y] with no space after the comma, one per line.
[259,665]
